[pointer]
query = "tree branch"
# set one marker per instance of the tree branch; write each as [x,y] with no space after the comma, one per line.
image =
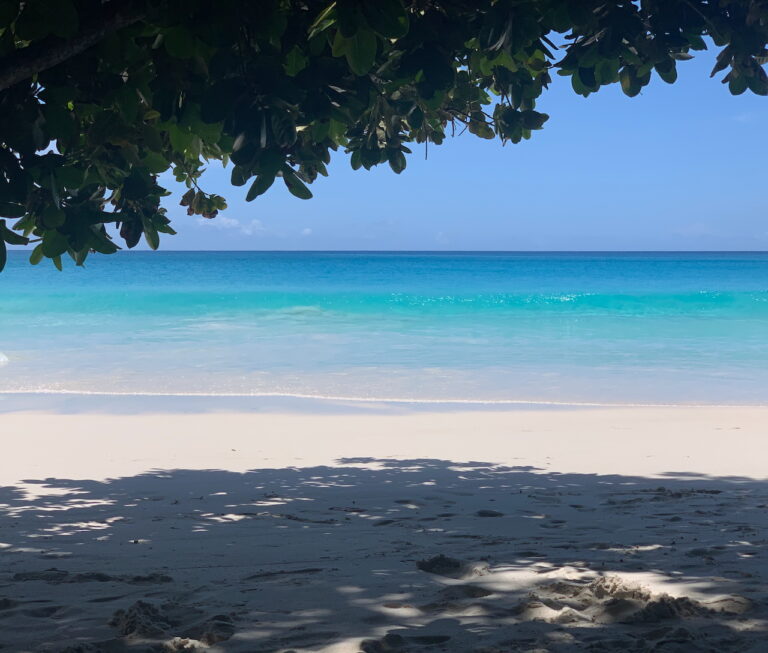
[36,58]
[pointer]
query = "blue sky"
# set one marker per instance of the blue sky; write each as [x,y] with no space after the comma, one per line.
[679,167]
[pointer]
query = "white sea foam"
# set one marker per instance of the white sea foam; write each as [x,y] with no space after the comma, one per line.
[375,400]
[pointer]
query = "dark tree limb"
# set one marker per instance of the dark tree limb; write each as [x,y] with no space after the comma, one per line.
[25,63]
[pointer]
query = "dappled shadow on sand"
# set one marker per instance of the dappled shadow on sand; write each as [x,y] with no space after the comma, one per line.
[385,555]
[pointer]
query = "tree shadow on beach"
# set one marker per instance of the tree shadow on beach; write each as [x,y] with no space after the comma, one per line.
[385,555]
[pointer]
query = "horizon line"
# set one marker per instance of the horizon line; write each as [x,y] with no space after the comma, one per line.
[451,251]
[22,249]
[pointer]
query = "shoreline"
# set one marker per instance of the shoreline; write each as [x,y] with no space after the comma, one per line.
[375,401]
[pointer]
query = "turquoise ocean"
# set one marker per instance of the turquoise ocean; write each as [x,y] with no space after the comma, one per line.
[671,328]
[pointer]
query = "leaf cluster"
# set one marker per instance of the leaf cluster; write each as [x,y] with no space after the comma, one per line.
[93,114]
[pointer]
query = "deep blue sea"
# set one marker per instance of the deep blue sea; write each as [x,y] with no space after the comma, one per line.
[603,328]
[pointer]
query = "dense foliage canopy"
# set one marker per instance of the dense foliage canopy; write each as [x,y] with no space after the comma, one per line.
[99,97]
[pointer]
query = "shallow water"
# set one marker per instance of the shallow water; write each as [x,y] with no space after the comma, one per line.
[604,328]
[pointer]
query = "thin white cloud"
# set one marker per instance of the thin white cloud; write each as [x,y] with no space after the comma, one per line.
[306,231]
[252,228]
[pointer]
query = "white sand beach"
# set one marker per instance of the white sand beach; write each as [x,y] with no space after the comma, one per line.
[384,528]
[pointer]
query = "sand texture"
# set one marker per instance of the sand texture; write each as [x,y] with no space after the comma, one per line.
[384,530]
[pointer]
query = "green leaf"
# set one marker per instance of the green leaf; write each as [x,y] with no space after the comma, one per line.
[295,185]
[26,225]
[81,256]
[12,210]
[321,130]
[259,186]
[295,62]
[667,71]
[151,236]
[101,243]
[323,20]
[37,255]
[166,229]
[57,262]
[578,85]
[533,119]
[340,44]
[737,84]
[155,162]
[54,243]
[697,43]
[361,51]
[239,176]
[3,255]
[336,130]
[629,82]
[370,156]
[607,71]
[150,233]
[181,140]
[396,161]
[209,132]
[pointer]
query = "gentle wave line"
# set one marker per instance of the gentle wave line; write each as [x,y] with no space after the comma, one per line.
[380,400]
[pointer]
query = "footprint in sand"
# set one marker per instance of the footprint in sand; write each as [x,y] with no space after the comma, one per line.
[489,513]
[400,643]
[554,523]
[442,565]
